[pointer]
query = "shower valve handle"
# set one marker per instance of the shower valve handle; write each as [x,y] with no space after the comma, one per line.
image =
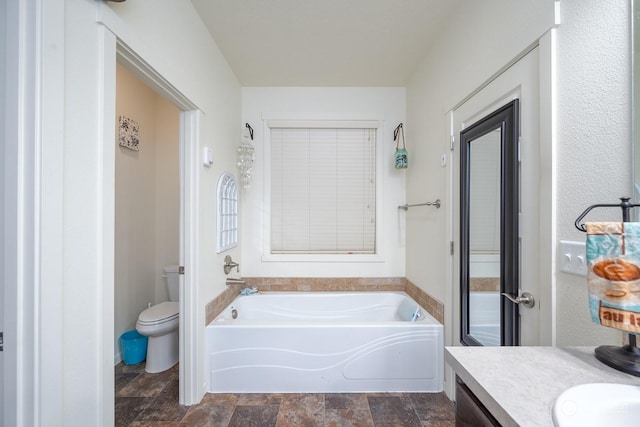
[229,264]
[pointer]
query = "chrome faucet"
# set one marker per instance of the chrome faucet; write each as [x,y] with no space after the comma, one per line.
[233,281]
[229,264]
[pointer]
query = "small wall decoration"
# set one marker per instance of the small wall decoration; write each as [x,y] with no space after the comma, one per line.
[401,155]
[129,133]
[246,157]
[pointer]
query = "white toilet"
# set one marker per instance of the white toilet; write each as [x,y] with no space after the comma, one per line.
[160,323]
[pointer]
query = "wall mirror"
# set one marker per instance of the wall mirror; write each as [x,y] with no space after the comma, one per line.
[489,269]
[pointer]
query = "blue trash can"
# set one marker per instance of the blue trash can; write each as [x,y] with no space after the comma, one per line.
[134,347]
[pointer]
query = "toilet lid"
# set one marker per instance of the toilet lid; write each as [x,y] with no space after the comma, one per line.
[162,312]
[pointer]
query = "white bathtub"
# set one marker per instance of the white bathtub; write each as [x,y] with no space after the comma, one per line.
[325,342]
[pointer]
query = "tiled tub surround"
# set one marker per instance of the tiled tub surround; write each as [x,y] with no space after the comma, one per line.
[484,284]
[292,342]
[298,284]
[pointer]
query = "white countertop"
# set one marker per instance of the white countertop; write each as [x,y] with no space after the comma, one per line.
[518,385]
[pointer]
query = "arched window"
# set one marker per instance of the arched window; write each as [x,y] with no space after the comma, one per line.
[227,220]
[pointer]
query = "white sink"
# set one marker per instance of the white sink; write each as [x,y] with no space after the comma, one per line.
[598,404]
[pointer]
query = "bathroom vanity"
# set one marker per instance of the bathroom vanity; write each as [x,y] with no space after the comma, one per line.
[519,385]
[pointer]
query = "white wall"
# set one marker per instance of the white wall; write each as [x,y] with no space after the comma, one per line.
[147,201]
[594,140]
[32,241]
[481,39]
[593,128]
[387,104]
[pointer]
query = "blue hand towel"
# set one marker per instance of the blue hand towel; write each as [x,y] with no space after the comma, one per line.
[613,275]
[249,291]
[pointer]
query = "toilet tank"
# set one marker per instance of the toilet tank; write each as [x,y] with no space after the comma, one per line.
[171,277]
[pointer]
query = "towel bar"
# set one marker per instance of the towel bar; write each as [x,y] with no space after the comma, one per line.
[436,204]
[624,204]
[627,357]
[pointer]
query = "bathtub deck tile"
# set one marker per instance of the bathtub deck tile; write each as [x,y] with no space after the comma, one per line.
[248,399]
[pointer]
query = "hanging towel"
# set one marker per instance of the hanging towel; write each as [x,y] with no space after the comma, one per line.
[613,274]
[249,291]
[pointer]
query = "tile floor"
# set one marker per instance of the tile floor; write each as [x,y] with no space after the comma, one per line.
[152,400]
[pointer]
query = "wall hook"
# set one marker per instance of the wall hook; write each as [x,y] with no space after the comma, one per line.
[395,132]
[250,130]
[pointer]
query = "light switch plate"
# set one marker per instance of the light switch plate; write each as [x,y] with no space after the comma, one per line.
[207,157]
[573,257]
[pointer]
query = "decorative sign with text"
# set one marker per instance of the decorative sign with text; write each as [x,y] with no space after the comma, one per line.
[613,262]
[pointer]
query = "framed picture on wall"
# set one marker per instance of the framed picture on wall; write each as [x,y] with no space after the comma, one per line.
[129,133]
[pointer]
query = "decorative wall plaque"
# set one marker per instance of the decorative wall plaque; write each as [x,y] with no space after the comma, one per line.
[129,133]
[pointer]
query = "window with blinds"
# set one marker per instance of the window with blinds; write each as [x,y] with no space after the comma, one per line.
[323,190]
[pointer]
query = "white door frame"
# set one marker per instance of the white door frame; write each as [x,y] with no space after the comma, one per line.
[189,184]
[547,205]
[32,281]
[32,245]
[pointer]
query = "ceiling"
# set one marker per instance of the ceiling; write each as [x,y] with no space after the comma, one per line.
[324,42]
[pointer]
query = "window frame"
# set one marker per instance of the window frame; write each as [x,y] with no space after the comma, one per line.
[270,122]
[228,206]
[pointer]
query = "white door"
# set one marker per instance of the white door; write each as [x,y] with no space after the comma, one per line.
[521,82]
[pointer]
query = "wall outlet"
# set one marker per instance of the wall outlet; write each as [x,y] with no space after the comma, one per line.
[574,257]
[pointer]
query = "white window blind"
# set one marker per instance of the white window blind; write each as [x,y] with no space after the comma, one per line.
[323,190]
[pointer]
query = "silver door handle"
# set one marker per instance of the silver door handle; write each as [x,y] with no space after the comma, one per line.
[526,299]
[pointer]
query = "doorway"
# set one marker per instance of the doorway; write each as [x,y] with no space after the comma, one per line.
[147,199]
[519,82]
[189,390]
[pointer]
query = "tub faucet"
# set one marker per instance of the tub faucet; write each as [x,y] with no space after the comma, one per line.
[234,281]
[229,264]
